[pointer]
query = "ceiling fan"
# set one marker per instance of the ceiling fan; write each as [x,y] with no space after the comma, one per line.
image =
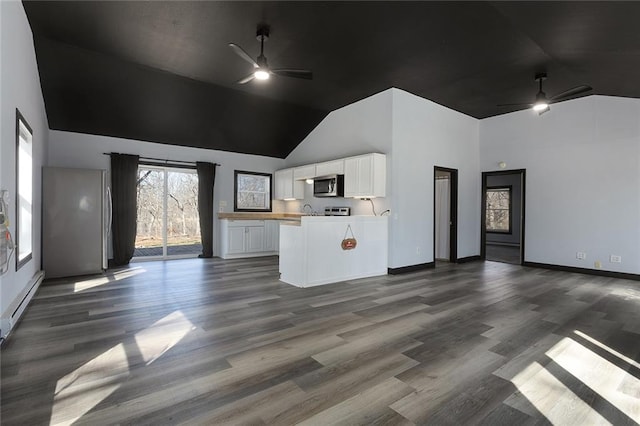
[542,102]
[262,71]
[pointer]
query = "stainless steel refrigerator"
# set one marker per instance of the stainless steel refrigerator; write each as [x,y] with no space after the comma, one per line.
[76,221]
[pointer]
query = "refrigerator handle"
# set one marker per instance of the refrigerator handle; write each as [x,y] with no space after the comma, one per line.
[109,210]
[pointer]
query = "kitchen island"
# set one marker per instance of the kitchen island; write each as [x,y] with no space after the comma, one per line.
[311,253]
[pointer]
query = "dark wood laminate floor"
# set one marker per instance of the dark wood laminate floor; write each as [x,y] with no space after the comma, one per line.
[502,253]
[224,342]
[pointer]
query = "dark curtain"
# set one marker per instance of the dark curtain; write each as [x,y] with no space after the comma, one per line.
[206,178]
[124,181]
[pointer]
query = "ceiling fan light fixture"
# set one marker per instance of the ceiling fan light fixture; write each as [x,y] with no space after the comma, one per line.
[261,74]
[540,106]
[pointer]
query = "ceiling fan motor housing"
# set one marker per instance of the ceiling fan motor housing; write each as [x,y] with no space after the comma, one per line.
[262,33]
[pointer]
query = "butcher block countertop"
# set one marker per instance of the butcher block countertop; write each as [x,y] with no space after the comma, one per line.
[260,216]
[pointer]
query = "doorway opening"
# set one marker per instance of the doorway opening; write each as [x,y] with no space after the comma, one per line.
[503,201]
[445,214]
[168,224]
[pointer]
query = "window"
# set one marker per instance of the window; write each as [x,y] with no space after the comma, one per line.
[498,209]
[24,191]
[252,192]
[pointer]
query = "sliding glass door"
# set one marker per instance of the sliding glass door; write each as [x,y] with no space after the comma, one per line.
[168,223]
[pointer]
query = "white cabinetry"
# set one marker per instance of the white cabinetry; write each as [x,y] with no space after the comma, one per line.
[248,238]
[365,176]
[271,235]
[286,188]
[335,167]
[304,172]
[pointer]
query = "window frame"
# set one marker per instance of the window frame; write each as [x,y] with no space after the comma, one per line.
[20,120]
[269,198]
[508,188]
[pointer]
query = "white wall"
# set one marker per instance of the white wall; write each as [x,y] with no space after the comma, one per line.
[79,150]
[20,88]
[425,135]
[583,179]
[359,128]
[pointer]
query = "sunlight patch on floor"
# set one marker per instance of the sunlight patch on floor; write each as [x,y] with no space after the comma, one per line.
[599,374]
[96,282]
[162,335]
[80,391]
[608,349]
[551,398]
[546,393]
[88,385]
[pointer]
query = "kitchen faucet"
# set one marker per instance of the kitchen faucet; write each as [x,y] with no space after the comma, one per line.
[310,208]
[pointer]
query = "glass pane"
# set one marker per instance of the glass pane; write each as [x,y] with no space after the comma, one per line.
[183,224]
[150,211]
[254,191]
[497,209]
[25,194]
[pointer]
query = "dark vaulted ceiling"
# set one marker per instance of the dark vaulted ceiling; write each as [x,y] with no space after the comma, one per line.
[163,71]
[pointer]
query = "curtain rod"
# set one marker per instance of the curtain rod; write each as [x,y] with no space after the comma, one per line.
[162,160]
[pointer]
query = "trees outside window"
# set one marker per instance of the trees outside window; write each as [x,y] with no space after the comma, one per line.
[498,210]
[168,222]
[252,192]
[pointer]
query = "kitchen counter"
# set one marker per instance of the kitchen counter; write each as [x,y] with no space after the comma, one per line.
[260,216]
[311,253]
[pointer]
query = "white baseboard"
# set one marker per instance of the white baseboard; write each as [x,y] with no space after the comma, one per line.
[13,313]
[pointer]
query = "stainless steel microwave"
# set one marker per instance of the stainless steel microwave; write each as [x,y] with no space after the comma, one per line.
[329,186]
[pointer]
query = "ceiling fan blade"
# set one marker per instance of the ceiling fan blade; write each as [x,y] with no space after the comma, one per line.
[528,104]
[574,91]
[246,79]
[283,72]
[244,55]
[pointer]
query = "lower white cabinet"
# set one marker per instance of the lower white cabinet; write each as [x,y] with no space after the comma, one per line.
[272,235]
[248,238]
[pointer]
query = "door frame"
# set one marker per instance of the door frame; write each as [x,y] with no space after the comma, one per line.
[483,211]
[165,169]
[453,213]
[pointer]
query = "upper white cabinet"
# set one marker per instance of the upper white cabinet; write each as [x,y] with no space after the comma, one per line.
[365,176]
[334,167]
[304,172]
[286,187]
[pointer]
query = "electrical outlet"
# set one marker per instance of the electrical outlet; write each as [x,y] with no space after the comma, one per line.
[615,258]
[581,255]
[597,264]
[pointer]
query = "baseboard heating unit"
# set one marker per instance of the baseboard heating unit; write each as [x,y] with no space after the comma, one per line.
[13,313]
